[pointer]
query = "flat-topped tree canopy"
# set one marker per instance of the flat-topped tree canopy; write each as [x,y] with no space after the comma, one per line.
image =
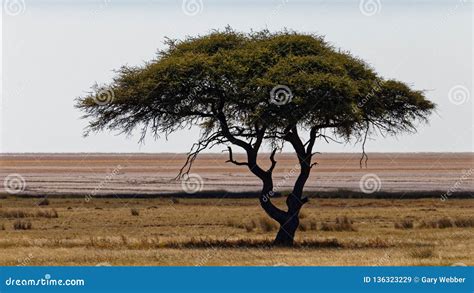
[233,73]
[247,88]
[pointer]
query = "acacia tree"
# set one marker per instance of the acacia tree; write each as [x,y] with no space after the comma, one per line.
[249,90]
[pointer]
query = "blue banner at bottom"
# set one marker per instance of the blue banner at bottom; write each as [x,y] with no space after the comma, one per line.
[237,279]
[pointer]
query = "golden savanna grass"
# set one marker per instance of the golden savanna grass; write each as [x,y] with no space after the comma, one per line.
[370,232]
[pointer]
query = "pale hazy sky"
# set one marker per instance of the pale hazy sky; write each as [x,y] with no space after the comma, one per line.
[52,53]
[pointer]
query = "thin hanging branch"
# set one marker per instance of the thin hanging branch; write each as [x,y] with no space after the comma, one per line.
[364,154]
[196,149]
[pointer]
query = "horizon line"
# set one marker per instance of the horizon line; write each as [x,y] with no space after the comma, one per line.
[223,153]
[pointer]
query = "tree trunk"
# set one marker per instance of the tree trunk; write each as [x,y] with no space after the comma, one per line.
[288,225]
[288,220]
[286,234]
[274,212]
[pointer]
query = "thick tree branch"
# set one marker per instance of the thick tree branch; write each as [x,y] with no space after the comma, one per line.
[312,139]
[293,138]
[265,201]
[231,159]
[260,134]
[274,162]
[225,131]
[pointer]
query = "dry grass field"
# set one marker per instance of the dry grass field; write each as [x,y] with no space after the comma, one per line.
[372,232]
[76,225]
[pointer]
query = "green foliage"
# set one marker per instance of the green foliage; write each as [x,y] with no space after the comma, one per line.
[227,77]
